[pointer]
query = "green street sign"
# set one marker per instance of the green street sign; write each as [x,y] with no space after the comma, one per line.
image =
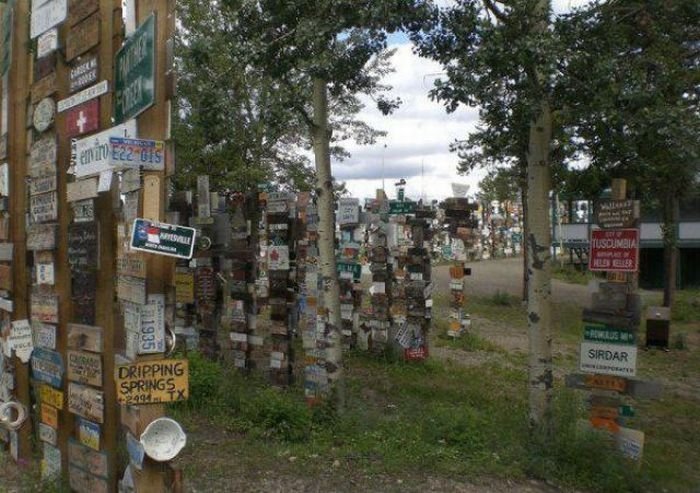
[354,269]
[135,65]
[163,239]
[602,333]
[401,207]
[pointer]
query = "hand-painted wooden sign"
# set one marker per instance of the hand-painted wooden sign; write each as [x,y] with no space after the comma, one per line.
[52,397]
[42,156]
[83,37]
[90,460]
[47,367]
[80,9]
[44,87]
[83,119]
[20,339]
[81,97]
[131,264]
[44,335]
[81,190]
[348,211]
[47,43]
[44,207]
[85,338]
[47,15]
[131,289]
[41,237]
[43,184]
[163,239]
[137,153]
[44,307]
[91,155]
[89,433]
[84,367]
[86,402]
[149,382]
[49,415]
[45,66]
[44,114]
[617,213]
[84,72]
[83,246]
[83,211]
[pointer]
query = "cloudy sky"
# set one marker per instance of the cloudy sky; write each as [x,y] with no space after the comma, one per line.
[419,134]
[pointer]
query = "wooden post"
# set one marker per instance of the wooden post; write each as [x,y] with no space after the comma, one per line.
[19,79]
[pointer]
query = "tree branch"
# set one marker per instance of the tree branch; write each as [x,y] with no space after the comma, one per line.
[498,13]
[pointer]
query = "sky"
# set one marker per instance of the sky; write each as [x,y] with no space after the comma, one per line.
[420,132]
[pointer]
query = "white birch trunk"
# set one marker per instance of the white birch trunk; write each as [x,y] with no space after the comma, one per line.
[326,232]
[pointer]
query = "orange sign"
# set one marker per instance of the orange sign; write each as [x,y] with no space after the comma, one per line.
[606,382]
[49,415]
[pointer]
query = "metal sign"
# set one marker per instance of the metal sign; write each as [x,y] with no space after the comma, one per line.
[46,16]
[396,207]
[47,43]
[137,153]
[163,239]
[91,155]
[609,359]
[84,367]
[151,338]
[89,433]
[49,415]
[47,434]
[86,402]
[135,65]
[617,213]
[614,250]
[44,114]
[20,339]
[596,333]
[91,92]
[83,37]
[84,72]
[47,367]
[83,211]
[41,237]
[44,207]
[51,396]
[348,211]
[150,382]
[83,119]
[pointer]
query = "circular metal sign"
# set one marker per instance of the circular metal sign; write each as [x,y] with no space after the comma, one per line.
[44,114]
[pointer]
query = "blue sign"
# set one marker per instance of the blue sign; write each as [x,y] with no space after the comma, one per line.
[47,367]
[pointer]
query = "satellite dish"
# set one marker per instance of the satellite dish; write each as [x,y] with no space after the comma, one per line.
[460,189]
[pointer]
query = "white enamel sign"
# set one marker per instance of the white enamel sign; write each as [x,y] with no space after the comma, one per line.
[609,359]
[48,15]
[81,97]
[47,43]
[91,155]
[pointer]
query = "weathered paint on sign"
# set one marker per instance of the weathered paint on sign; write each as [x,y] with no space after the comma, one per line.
[81,190]
[46,16]
[41,237]
[47,43]
[84,367]
[44,87]
[43,184]
[132,264]
[81,481]
[52,397]
[134,86]
[85,458]
[80,9]
[83,37]
[44,335]
[152,326]
[617,213]
[42,156]
[44,207]
[47,367]
[614,250]
[81,97]
[131,289]
[44,307]
[84,72]
[47,434]
[89,433]
[49,415]
[86,402]
[85,337]
[83,119]
[149,382]
[184,287]
[44,114]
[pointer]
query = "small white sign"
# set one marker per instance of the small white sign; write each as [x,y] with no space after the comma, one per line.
[348,211]
[152,332]
[91,155]
[48,15]
[81,97]
[20,339]
[609,359]
[45,273]
[47,43]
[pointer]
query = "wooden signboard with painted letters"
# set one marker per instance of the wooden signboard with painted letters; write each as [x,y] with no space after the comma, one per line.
[85,338]
[81,190]
[83,37]
[132,264]
[43,184]
[83,246]
[131,289]
[44,207]
[41,237]
[84,367]
[86,402]
[152,381]
[44,307]
[42,156]
[83,72]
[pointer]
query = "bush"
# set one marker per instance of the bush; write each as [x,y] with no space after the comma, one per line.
[501,298]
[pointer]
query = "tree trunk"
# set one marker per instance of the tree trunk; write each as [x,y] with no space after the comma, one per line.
[525,234]
[539,246]
[670,238]
[321,135]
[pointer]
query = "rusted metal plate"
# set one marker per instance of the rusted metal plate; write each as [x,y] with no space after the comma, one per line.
[83,37]
[80,9]
[83,72]
[44,87]
[83,119]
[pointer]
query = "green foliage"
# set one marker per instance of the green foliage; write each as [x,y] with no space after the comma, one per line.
[571,274]
[501,298]
[686,306]
[206,378]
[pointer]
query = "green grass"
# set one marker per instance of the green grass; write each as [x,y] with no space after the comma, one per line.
[571,273]
[686,306]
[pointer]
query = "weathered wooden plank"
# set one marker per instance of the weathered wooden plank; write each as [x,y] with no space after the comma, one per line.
[638,389]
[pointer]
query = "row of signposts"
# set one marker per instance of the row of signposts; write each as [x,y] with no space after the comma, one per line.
[86,158]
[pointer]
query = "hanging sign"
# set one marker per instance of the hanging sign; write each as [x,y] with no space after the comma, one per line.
[137,153]
[617,213]
[609,359]
[83,119]
[84,367]
[150,382]
[91,92]
[47,43]
[86,402]
[44,207]
[135,72]
[614,250]
[46,16]
[83,72]
[83,37]
[44,114]
[91,155]
[163,239]
[47,367]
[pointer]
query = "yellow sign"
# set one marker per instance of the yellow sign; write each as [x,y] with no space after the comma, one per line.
[184,287]
[51,396]
[148,382]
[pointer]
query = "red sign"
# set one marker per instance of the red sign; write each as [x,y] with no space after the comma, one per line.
[614,250]
[416,354]
[83,118]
